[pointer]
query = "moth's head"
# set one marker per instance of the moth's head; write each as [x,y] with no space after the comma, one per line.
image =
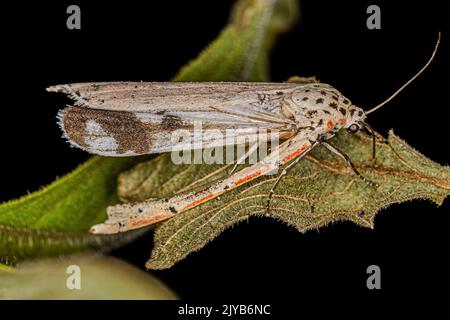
[355,120]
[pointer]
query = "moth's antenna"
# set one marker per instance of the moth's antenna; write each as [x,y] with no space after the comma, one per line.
[410,80]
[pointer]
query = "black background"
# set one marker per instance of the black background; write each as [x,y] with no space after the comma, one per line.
[262,259]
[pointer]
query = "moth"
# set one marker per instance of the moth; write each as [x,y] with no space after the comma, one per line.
[135,118]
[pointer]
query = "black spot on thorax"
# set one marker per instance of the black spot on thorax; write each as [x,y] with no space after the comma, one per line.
[333,105]
[311,113]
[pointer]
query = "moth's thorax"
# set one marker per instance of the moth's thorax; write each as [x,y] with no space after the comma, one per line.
[321,109]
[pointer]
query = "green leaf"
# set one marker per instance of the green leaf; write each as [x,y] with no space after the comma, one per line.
[319,190]
[100,278]
[241,52]
[5,268]
[55,219]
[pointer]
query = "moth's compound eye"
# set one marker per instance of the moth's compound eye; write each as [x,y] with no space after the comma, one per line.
[354,128]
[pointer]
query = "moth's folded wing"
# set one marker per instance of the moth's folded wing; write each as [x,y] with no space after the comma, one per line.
[127,133]
[177,96]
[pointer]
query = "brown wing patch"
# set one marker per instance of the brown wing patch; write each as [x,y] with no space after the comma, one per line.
[128,132]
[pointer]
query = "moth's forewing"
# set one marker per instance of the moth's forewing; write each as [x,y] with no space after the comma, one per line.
[123,119]
[123,133]
[172,96]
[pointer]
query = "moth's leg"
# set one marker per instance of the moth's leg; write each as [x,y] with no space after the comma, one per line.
[130,216]
[242,159]
[277,157]
[341,154]
[285,171]
[372,133]
[380,139]
[375,136]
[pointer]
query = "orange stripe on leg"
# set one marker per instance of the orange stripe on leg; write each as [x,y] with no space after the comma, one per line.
[215,194]
[201,200]
[152,220]
[248,178]
[296,153]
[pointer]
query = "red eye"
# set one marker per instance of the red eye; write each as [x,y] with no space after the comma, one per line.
[354,128]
